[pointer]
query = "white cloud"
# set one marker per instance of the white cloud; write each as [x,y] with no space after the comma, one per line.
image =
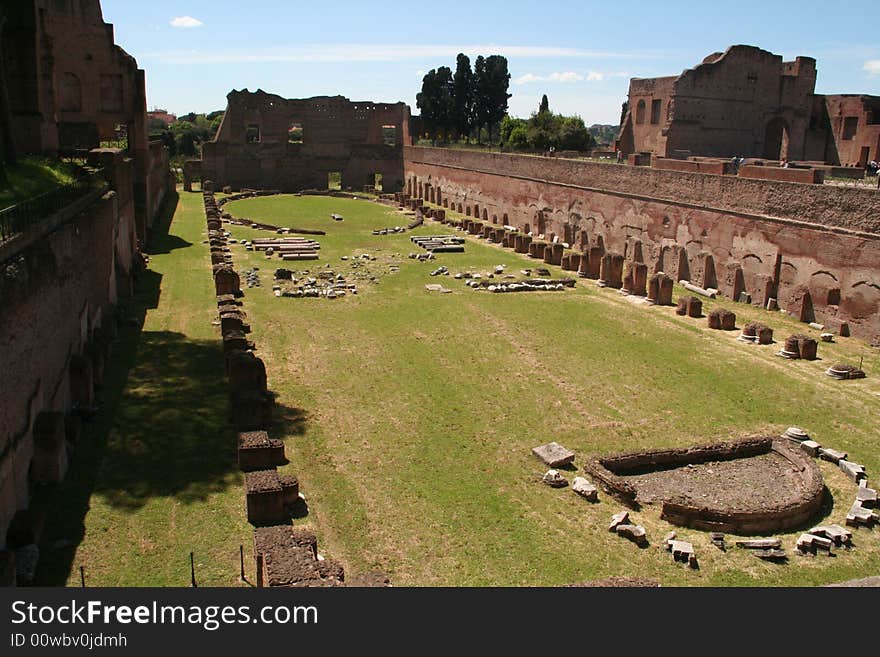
[185,21]
[350,52]
[872,67]
[595,76]
[568,76]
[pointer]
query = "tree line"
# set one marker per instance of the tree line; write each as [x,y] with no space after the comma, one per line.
[466,103]
[545,130]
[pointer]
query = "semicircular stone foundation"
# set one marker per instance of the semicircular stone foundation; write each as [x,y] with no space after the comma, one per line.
[751,486]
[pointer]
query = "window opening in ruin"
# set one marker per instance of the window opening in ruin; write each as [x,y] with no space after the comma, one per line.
[640,112]
[252,134]
[850,126]
[389,135]
[111,93]
[334,180]
[71,93]
[295,133]
[656,107]
[834,297]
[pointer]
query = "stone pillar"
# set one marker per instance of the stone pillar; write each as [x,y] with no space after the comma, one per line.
[595,268]
[226,281]
[639,279]
[660,289]
[611,273]
[553,254]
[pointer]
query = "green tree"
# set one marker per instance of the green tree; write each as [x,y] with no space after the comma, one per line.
[545,104]
[428,102]
[463,96]
[481,101]
[498,82]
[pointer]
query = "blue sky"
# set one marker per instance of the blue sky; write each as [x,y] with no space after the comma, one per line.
[581,54]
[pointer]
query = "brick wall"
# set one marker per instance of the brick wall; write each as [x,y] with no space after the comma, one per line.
[769,239]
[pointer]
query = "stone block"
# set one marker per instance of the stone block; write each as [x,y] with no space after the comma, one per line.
[635,533]
[811,447]
[290,488]
[832,455]
[256,451]
[554,479]
[554,454]
[760,543]
[585,489]
[611,272]
[226,281]
[245,371]
[250,410]
[867,497]
[852,470]
[265,497]
[837,534]
[618,519]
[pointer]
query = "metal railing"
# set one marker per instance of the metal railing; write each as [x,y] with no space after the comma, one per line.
[20,217]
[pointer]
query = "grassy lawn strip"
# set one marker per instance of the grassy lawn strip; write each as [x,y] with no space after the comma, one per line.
[155,476]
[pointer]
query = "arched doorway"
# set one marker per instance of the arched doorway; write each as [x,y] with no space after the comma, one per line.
[776,139]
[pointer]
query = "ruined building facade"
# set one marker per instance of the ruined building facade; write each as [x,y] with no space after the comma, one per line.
[71,88]
[268,142]
[749,102]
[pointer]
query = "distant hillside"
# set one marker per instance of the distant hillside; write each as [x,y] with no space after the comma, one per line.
[604,134]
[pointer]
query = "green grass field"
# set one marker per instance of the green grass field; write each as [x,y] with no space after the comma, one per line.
[422,409]
[409,418]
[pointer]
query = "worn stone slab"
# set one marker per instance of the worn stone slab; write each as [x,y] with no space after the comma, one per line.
[837,534]
[770,555]
[860,516]
[832,455]
[618,519]
[867,497]
[554,479]
[635,533]
[554,454]
[680,549]
[585,489]
[811,447]
[852,470]
[760,543]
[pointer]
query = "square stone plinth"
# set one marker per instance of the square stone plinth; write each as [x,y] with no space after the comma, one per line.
[554,454]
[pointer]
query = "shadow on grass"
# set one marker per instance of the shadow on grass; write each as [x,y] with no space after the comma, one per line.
[161,240]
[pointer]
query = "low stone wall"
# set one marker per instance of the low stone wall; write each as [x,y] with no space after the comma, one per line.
[691,166]
[781,174]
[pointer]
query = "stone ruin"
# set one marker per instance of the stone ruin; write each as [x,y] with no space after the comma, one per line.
[269,142]
[780,496]
[800,346]
[690,307]
[757,333]
[660,289]
[722,320]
